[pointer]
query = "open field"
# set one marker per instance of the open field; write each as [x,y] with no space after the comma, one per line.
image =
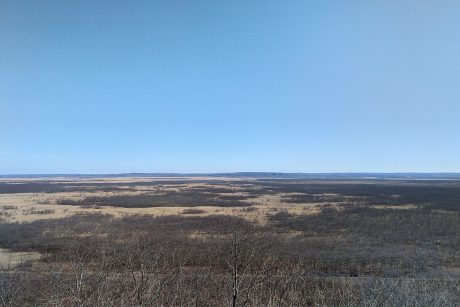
[220,240]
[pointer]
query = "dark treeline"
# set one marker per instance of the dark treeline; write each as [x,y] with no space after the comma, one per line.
[186,198]
[437,193]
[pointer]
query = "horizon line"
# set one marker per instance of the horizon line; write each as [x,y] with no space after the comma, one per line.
[300,175]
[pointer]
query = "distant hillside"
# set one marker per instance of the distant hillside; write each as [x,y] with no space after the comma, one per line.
[420,176]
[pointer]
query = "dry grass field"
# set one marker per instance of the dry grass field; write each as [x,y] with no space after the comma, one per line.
[215,240]
[27,207]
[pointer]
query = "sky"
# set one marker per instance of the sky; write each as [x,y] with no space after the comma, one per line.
[222,86]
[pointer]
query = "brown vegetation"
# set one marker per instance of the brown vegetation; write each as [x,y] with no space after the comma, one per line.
[350,253]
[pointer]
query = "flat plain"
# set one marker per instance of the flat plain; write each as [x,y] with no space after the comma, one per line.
[238,241]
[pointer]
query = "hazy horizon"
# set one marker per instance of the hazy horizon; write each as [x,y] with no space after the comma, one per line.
[213,87]
[261,175]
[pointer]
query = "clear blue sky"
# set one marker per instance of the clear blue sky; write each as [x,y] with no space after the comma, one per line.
[211,86]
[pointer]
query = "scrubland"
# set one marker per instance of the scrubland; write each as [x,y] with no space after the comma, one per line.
[229,241]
